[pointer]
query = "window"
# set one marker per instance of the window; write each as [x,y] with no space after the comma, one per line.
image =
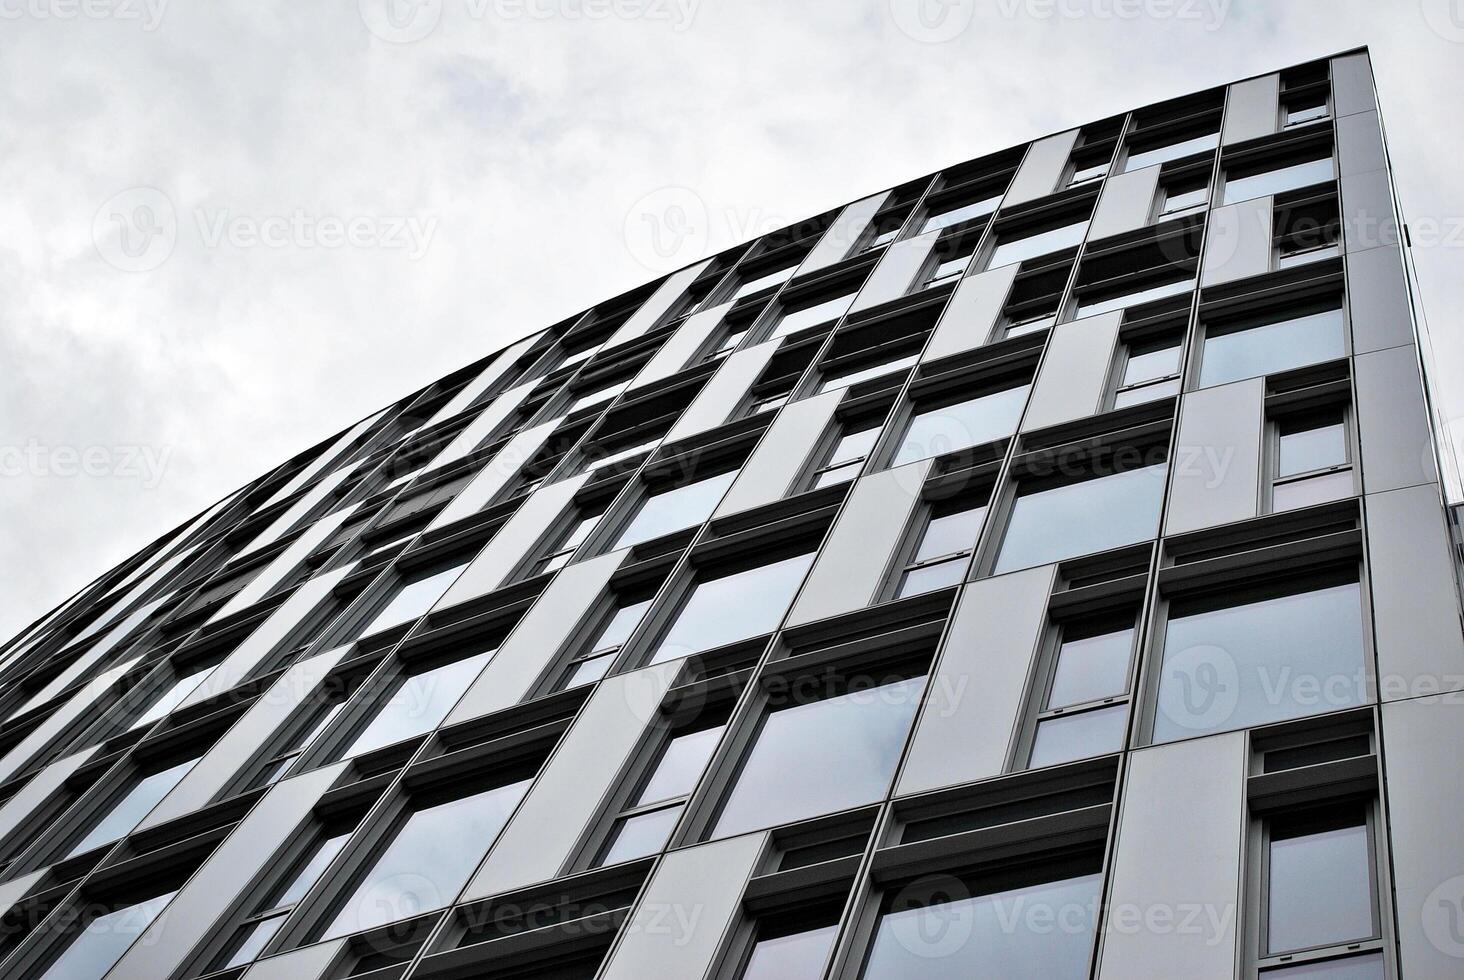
[1183,196]
[961,425]
[915,938]
[417,594]
[1304,238]
[1091,304]
[673,509]
[732,607]
[822,756]
[946,265]
[758,283]
[98,946]
[1150,371]
[645,825]
[1139,159]
[797,953]
[944,550]
[731,337]
[111,821]
[850,378]
[255,932]
[808,315]
[417,703]
[1019,247]
[1084,173]
[600,653]
[960,214]
[172,697]
[1102,512]
[1084,709]
[1298,111]
[558,554]
[1278,343]
[276,766]
[596,397]
[594,461]
[770,404]
[427,860]
[1311,461]
[846,457]
[1232,664]
[882,232]
[1252,182]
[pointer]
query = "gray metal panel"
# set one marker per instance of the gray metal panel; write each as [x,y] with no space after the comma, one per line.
[1360,144]
[1378,296]
[1238,245]
[538,638]
[495,476]
[895,272]
[643,320]
[325,459]
[286,562]
[1392,421]
[1181,835]
[511,545]
[1352,84]
[61,719]
[974,700]
[239,664]
[38,790]
[1252,110]
[1368,218]
[1043,166]
[841,237]
[1424,739]
[1126,204]
[691,901]
[782,454]
[719,398]
[15,889]
[1216,470]
[854,561]
[478,430]
[971,316]
[296,512]
[487,378]
[676,353]
[198,906]
[221,763]
[1420,646]
[306,963]
[1073,378]
[544,831]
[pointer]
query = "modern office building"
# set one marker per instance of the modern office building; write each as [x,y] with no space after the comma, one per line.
[1035,570]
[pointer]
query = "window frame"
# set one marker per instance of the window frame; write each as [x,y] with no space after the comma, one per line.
[1276,420]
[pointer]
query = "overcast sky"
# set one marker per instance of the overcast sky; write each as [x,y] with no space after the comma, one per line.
[347,199]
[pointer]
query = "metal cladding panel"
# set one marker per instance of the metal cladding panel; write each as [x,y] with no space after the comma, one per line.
[896,271]
[269,635]
[1043,166]
[974,310]
[38,790]
[1392,421]
[496,476]
[16,889]
[1181,836]
[1126,204]
[1238,245]
[489,420]
[845,233]
[676,353]
[496,370]
[974,699]
[286,562]
[61,719]
[782,455]
[1352,84]
[1073,378]
[306,963]
[1360,144]
[538,638]
[1252,109]
[1215,473]
[543,833]
[691,901]
[643,320]
[198,906]
[1424,740]
[1368,218]
[1377,294]
[727,389]
[1420,641]
[221,763]
[854,562]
